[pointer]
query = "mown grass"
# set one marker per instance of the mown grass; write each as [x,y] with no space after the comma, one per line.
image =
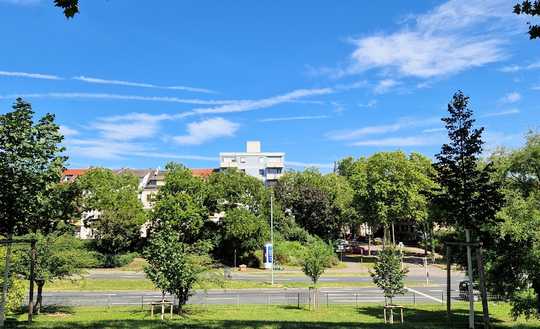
[265,317]
[146,285]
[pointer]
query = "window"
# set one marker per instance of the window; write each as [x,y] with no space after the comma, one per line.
[273,171]
[261,172]
[243,160]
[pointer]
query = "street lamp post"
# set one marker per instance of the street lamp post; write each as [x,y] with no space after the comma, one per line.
[272,232]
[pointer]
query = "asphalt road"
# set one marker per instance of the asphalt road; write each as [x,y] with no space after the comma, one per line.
[247,296]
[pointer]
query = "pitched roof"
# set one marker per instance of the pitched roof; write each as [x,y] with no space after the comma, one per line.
[202,172]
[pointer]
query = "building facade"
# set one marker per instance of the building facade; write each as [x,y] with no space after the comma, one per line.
[266,166]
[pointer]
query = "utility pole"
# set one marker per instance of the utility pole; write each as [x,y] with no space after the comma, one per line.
[272,231]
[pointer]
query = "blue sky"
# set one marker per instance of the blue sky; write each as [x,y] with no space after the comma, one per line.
[135,84]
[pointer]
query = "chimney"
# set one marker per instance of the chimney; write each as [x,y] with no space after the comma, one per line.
[253,147]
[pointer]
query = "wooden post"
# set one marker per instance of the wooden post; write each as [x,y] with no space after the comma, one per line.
[384,315]
[483,290]
[470,275]
[448,283]
[31,290]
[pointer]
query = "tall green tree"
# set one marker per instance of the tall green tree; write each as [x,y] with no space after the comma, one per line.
[321,204]
[467,197]
[391,187]
[513,263]
[114,212]
[30,163]
[317,259]
[180,204]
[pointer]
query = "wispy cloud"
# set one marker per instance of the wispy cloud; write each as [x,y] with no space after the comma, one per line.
[512,97]
[501,113]
[67,131]
[29,75]
[517,68]
[453,37]
[207,130]
[380,129]
[307,117]
[140,84]
[433,130]
[384,86]
[104,96]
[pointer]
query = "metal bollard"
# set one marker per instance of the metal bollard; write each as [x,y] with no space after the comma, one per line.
[414,298]
[238,300]
[298,300]
[442,297]
[142,302]
[327,304]
[356,299]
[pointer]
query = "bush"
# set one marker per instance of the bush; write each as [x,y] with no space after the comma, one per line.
[294,252]
[111,261]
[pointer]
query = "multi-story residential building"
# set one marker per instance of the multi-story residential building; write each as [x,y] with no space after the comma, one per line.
[266,166]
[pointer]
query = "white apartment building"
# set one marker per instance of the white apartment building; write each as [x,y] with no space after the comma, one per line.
[266,166]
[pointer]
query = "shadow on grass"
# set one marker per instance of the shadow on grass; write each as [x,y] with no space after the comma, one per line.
[414,319]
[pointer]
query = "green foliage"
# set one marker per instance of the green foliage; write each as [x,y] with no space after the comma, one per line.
[232,188]
[317,259]
[30,164]
[70,7]
[120,215]
[243,231]
[467,198]
[180,205]
[531,9]
[387,273]
[389,187]
[174,266]
[16,290]
[513,261]
[321,204]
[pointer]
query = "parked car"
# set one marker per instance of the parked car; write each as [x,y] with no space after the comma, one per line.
[358,250]
[464,290]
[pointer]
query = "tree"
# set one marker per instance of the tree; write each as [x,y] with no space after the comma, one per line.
[387,273]
[243,231]
[390,187]
[321,204]
[531,9]
[70,7]
[513,264]
[114,212]
[30,163]
[179,204]
[58,256]
[316,261]
[466,195]
[174,266]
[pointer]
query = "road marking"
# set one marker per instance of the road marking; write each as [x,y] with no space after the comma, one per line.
[425,295]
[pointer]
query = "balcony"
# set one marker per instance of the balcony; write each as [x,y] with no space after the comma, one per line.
[274,164]
[228,164]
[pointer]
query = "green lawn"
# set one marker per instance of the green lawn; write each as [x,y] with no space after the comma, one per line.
[267,317]
[143,284]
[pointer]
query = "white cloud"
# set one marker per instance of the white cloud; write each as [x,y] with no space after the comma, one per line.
[77,95]
[29,75]
[140,84]
[102,148]
[380,129]
[307,117]
[250,105]
[206,130]
[512,97]
[385,85]
[67,131]
[453,37]
[399,141]
[433,130]
[501,113]
[516,68]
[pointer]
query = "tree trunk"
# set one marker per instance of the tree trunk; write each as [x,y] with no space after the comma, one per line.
[39,298]
[5,285]
[432,244]
[369,244]
[536,288]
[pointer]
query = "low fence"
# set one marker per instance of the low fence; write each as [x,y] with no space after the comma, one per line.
[327,298]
